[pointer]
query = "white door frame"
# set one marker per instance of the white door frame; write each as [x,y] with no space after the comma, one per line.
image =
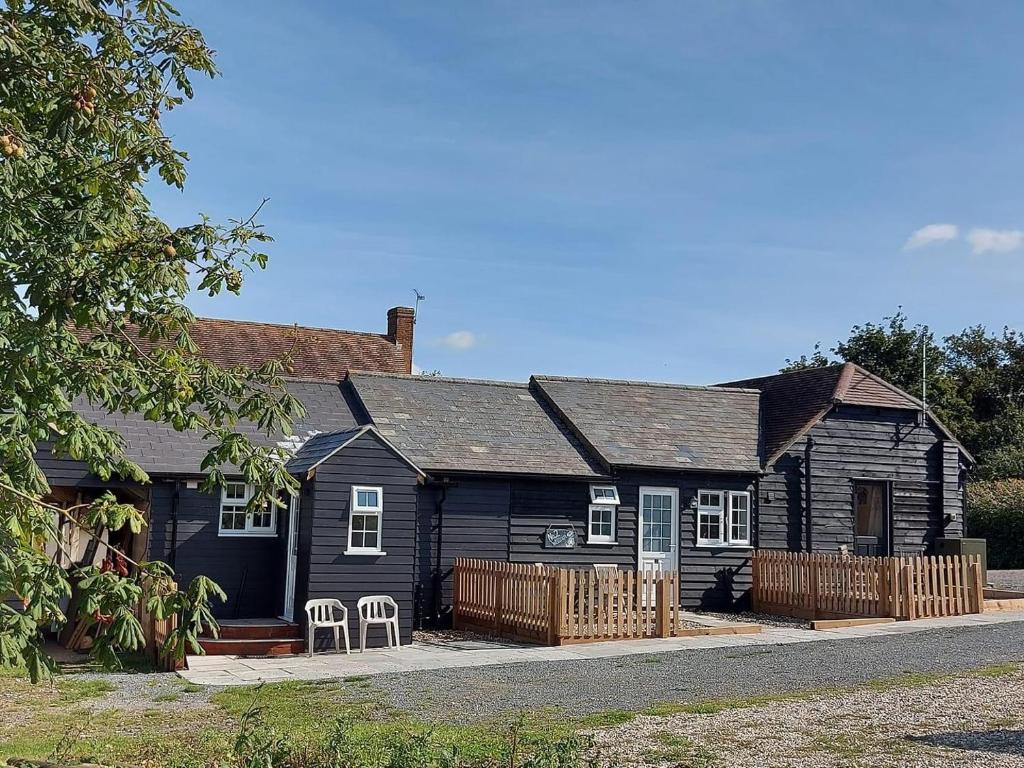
[291,559]
[673,556]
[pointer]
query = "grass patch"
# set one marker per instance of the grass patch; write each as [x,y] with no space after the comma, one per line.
[34,720]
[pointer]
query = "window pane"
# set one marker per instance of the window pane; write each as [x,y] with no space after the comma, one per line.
[234,491]
[370,540]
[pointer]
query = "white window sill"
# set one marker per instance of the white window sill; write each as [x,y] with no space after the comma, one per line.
[364,552]
[247,534]
[723,545]
[606,542]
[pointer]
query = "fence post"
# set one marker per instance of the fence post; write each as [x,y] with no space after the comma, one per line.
[499,600]
[661,620]
[909,595]
[884,588]
[555,593]
[815,586]
[456,591]
[755,582]
[977,588]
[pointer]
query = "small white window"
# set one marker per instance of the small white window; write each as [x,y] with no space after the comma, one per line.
[710,514]
[364,522]
[601,524]
[739,517]
[604,494]
[235,520]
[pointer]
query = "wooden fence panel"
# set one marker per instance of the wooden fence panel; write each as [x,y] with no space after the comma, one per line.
[816,586]
[555,606]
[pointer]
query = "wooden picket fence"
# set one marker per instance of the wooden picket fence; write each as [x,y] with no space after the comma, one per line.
[557,606]
[827,586]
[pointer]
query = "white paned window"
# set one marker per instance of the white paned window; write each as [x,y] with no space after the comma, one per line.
[604,494]
[601,527]
[236,521]
[739,517]
[364,522]
[723,519]
[710,514]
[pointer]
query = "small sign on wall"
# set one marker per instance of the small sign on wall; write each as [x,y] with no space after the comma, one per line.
[560,537]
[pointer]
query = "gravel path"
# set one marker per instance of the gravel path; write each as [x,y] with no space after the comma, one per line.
[972,721]
[637,682]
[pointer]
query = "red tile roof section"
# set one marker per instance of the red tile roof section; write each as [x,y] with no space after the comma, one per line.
[316,353]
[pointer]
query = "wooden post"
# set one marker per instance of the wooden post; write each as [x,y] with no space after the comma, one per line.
[456,591]
[662,627]
[977,588]
[755,581]
[884,588]
[909,595]
[556,592]
[499,599]
[815,587]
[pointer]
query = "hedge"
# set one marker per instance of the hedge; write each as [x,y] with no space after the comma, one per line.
[995,511]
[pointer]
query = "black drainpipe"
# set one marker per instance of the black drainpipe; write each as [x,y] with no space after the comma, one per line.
[172,556]
[808,496]
[438,580]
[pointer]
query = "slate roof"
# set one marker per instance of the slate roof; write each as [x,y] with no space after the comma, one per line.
[321,447]
[316,353]
[466,425]
[642,424]
[795,401]
[159,449]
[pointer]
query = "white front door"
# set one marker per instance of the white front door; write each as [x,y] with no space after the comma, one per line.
[291,559]
[658,536]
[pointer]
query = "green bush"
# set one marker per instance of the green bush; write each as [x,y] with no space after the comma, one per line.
[995,512]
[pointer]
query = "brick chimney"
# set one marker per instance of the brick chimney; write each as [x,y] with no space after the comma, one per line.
[400,324]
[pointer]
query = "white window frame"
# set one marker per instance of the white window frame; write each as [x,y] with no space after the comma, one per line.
[744,541]
[250,529]
[708,510]
[724,512]
[593,538]
[595,499]
[377,509]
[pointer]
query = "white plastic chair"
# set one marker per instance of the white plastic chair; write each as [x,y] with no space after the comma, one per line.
[373,609]
[320,614]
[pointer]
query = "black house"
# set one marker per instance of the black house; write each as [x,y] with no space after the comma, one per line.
[400,474]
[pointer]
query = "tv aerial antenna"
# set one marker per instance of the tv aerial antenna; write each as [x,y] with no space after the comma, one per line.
[416,307]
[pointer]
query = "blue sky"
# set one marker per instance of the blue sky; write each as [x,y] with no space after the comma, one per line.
[679,191]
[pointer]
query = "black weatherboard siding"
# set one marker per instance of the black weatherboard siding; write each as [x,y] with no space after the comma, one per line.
[250,569]
[920,467]
[331,572]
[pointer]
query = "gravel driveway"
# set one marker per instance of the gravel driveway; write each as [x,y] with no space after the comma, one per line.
[637,682]
[974,721]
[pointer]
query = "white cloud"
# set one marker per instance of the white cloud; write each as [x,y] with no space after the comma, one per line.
[461,340]
[933,233]
[995,240]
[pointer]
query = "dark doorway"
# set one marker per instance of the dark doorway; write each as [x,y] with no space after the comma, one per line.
[871,517]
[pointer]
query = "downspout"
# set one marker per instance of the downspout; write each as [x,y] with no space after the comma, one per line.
[438,580]
[808,494]
[172,555]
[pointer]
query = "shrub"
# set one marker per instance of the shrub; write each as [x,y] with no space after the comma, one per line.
[995,511]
